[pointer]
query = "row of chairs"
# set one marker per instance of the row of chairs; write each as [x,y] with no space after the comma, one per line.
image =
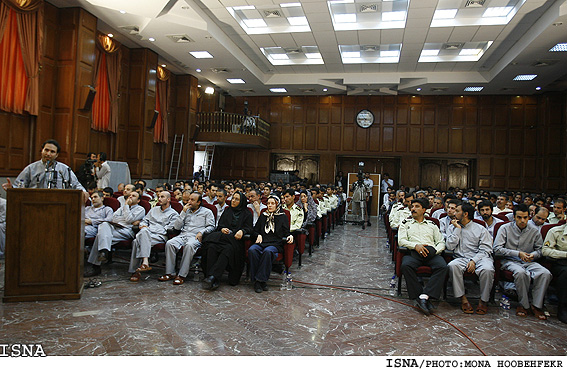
[424,271]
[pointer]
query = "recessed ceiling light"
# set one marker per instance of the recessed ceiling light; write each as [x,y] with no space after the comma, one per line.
[345,18]
[278,89]
[474,89]
[198,70]
[255,23]
[559,47]
[151,39]
[235,80]
[429,52]
[201,54]
[351,54]
[418,89]
[245,7]
[313,55]
[325,90]
[297,21]
[209,90]
[110,35]
[164,65]
[470,51]
[123,12]
[525,77]
[538,88]
[290,5]
[279,56]
[389,53]
[393,16]
[497,11]
[199,86]
[445,14]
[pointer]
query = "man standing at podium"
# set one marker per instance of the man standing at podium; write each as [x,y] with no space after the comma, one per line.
[47,172]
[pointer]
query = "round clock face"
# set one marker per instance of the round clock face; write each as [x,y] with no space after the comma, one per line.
[365,118]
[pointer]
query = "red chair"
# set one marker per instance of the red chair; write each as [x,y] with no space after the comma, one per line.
[117,194]
[211,207]
[502,216]
[481,222]
[111,202]
[146,198]
[146,205]
[177,206]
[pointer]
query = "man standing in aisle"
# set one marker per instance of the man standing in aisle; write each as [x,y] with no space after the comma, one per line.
[369,185]
[101,171]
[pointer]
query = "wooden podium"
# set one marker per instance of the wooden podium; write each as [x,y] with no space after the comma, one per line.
[44,245]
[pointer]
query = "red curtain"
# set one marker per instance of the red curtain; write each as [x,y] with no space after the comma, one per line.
[13,79]
[162,101]
[101,102]
[106,81]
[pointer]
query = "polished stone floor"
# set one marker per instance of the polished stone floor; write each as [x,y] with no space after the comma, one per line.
[152,318]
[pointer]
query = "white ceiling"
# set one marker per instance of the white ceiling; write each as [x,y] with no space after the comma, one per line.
[517,47]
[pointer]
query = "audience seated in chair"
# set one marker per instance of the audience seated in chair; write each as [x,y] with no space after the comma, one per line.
[95,214]
[255,204]
[425,242]
[555,248]
[223,249]
[558,213]
[195,221]
[520,245]
[268,233]
[472,246]
[485,209]
[110,233]
[153,231]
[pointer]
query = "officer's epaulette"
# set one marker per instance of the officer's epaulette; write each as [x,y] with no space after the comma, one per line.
[404,221]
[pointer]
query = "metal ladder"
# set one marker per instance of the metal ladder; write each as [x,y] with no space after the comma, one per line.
[208,160]
[175,159]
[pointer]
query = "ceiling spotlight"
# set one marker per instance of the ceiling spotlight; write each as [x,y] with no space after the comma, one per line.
[209,90]
[123,12]
[110,35]
[163,65]
[198,70]
[199,86]
[538,88]
[151,39]
[418,89]
[325,90]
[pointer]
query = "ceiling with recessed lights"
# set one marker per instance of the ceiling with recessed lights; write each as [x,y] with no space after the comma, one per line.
[354,47]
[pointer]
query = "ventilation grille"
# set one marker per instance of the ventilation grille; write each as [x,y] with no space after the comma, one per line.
[272,13]
[545,62]
[474,3]
[452,46]
[180,39]
[370,48]
[220,70]
[247,91]
[292,50]
[439,89]
[307,90]
[369,8]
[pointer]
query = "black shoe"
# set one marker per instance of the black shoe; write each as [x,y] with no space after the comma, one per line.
[369,224]
[209,282]
[562,315]
[430,306]
[102,256]
[422,305]
[258,287]
[264,286]
[94,270]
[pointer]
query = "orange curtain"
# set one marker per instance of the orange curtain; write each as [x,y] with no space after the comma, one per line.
[101,103]
[13,79]
[30,30]
[107,84]
[4,11]
[162,100]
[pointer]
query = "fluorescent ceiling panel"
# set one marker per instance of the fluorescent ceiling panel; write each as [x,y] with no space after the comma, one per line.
[486,15]
[278,90]
[270,18]
[525,77]
[559,47]
[201,54]
[474,89]
[365,54]
[378,14]
[456,52]
[305,55]
[235,80]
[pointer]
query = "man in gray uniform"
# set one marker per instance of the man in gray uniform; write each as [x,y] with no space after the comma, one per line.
[96,214]
[472,245]
[128,189]
[47,172]
[110,233]
[194,222]
[153,230]
[520,245]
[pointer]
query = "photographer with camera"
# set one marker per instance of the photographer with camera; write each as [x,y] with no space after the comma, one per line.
[85,172]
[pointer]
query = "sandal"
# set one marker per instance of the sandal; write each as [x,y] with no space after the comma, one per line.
[467,308]
[144,268]
[165,278]
[178,281]
[481,309]
[520,311]
[135,277]
[538,313]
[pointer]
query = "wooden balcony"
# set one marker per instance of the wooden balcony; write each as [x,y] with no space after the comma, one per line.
[229,129]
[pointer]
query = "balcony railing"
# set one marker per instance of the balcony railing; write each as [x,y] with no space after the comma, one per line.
[221,122]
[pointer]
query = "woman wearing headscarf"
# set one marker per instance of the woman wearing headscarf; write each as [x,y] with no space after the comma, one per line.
[224,248]
[270,229]
[309,208]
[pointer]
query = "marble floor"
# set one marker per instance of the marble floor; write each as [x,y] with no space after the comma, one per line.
[153,318]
